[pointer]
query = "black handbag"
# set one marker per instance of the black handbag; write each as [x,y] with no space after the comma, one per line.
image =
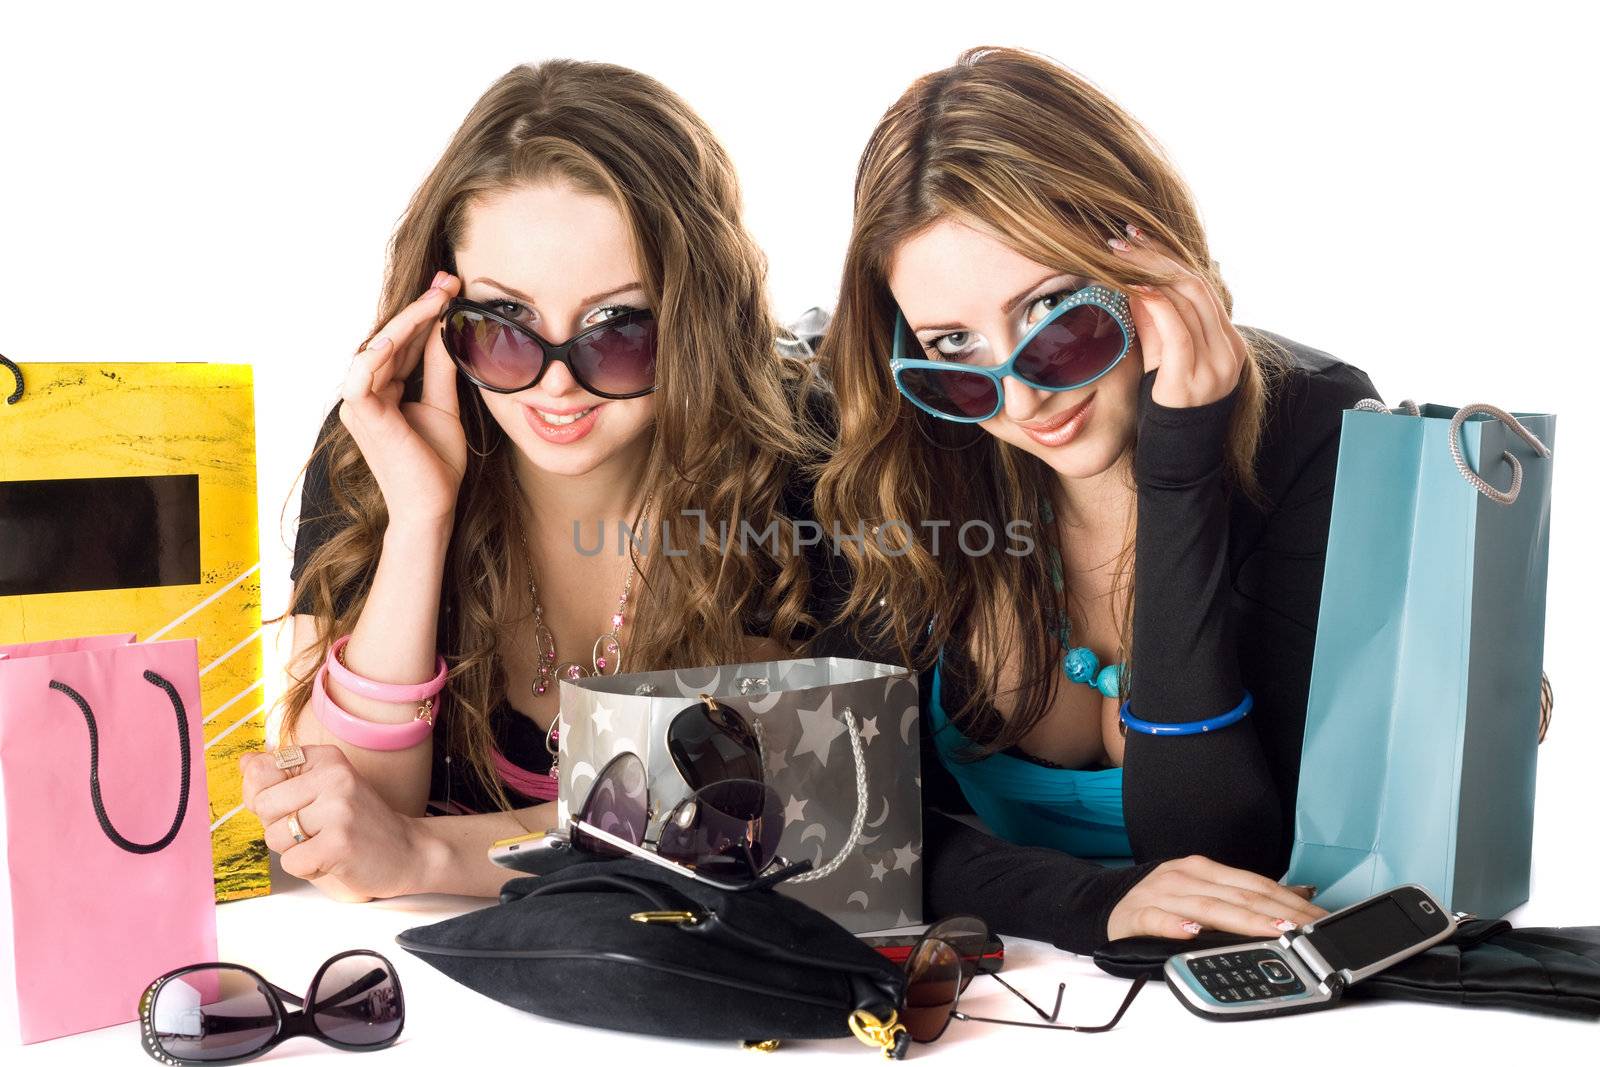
[626,945]
[1488,964]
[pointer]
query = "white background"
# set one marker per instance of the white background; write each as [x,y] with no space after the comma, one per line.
[1408,188]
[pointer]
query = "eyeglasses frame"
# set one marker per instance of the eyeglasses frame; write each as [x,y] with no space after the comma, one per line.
[979,967]
[553,353]
[298,1023]
[1105,298]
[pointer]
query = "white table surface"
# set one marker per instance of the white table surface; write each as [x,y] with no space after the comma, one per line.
[288,933]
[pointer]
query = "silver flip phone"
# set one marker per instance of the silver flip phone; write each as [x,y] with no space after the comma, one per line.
[537,853]
[1311,967]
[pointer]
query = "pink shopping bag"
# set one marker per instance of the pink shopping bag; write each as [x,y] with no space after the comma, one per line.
[105,842]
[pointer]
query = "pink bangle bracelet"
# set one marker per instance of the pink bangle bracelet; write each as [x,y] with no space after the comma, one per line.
[391,694]
[384,736]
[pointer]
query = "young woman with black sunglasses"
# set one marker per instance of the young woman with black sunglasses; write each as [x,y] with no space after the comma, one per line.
[591,346]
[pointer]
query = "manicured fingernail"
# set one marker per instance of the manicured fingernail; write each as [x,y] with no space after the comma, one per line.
[1119,244]
[1307,888]
[377,344]
[1193,928]
[1134,231]
[439,280]
[1285,925]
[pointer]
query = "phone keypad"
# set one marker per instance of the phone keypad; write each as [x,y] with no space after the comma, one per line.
[1259,974]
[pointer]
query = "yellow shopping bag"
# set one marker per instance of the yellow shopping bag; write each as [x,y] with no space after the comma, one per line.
[128,503]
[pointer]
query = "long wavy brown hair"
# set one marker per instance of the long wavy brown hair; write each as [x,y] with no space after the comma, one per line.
[1012,143]
[729,424]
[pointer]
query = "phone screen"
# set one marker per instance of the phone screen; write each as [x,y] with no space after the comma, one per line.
[1375,932]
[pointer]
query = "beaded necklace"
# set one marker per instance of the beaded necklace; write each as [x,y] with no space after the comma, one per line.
[1079,663]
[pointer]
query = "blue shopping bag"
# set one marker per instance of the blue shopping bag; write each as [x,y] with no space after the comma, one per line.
[1423,719]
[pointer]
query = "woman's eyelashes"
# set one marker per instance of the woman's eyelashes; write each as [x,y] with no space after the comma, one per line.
[513,310]
[1041,307]
[965,345]
[962,345]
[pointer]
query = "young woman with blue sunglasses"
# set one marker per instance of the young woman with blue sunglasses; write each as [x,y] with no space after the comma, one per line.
[1031,328]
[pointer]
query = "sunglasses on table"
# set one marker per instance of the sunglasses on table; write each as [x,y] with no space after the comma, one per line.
[724,834]
[944,962]
[219,1013]
[615,359]
[1079,341]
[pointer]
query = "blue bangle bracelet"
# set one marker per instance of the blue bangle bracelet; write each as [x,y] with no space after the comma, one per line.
[1179,729]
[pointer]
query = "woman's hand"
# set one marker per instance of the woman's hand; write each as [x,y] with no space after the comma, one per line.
[356,847]
[417,451]
[1182,328]
[1181,897]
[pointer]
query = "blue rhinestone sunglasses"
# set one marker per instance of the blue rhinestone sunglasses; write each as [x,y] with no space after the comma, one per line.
[1081,340]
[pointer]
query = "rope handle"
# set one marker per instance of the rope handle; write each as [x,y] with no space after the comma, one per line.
[16,394]
[1500,496]
[94,767]
[854,837]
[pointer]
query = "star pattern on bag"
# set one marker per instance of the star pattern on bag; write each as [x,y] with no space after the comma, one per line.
[819,730]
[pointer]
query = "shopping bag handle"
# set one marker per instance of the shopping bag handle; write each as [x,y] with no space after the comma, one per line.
[854,837]
[1500,496]
[16,394]
[94,766]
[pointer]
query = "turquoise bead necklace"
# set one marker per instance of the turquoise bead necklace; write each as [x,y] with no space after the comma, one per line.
[1079,663]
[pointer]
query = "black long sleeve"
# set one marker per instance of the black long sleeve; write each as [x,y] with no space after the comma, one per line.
[1184,660]
[1019,890]
[1225,598]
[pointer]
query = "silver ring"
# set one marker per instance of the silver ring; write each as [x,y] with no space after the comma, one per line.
[295,829]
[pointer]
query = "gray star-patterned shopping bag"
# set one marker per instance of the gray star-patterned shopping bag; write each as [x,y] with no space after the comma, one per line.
[839,741]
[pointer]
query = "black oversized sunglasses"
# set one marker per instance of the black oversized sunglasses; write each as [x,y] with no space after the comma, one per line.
[724,834]
[219,1013]
[615,359]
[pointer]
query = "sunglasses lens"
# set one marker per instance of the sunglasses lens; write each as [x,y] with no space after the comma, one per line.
[618,803]
[933,981]
[619,360]
[357,1000]
[490,351]
[1079,345]
[728,830]
[213,1014]
[713,744]
[962,394]
[969,937]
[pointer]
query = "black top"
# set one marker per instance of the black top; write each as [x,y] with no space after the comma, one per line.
[1226,597]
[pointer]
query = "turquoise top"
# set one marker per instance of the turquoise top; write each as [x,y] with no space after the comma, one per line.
[1075,811]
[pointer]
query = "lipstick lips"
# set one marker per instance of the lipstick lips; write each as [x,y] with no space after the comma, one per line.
[1063,428]
[564,434]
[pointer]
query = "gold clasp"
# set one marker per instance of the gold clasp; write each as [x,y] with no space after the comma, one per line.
[769,1045]
[871,1030]
[679,918]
